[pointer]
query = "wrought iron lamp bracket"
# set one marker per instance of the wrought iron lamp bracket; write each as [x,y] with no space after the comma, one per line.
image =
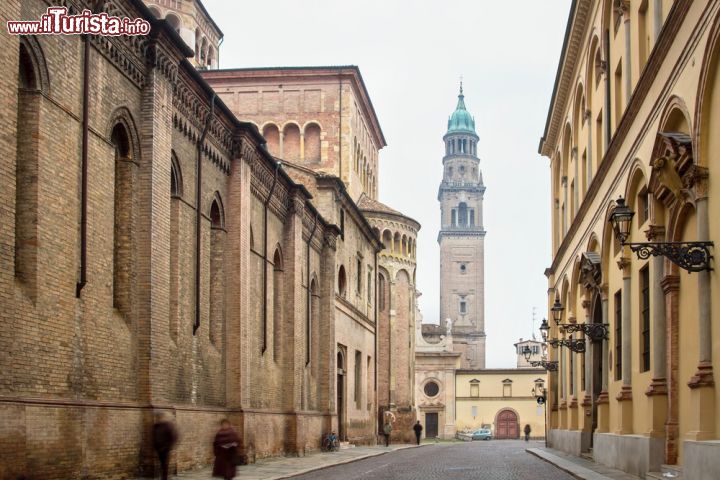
[596,331]
[550,366]
[576,345]
[691,256]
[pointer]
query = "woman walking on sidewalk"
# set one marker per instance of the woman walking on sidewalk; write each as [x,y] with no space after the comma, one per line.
[225,447]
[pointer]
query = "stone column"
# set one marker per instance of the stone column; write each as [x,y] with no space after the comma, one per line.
[566,213]
[671,288]
[586,413]
[657,391]
[573,406]
[576,192]
[624,398]
[588,173]
[603,404]
[657,18]
[623,9]
[302,146]
[702,383]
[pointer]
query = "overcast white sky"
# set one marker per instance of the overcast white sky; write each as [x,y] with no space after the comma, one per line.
[411,55]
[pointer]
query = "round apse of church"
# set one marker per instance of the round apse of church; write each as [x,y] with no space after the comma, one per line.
[431,389]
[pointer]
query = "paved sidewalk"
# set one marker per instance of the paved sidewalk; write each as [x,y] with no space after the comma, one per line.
[286,467]
[579,467]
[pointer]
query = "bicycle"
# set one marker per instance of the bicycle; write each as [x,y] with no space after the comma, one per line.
[330,443]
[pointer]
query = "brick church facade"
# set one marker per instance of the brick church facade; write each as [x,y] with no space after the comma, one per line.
[156,256]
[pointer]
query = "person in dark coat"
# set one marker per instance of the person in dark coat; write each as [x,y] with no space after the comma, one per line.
[418,431]
[527,431]
[164,438]
[225,448]
[387,429]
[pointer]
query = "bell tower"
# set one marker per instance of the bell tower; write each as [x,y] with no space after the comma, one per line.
[462,239]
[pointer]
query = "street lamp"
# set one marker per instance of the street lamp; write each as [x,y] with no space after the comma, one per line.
[557,311]
[527,353]
[690,256]
[544,329]
[596,331]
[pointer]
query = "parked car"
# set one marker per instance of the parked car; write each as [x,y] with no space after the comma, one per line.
[482,434]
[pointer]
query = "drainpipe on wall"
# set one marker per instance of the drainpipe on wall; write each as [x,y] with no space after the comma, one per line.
[340,131]
[84,158]
[265,259]
[198,211]
[308,317]
[608,113]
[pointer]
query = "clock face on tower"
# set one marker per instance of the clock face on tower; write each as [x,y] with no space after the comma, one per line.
[462,237]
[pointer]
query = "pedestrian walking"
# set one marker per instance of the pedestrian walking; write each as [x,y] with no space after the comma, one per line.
[225,448]
[418,431]
[527,431]
[387,429]
[164,438]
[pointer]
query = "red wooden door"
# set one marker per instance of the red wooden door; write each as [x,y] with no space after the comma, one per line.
[507,425]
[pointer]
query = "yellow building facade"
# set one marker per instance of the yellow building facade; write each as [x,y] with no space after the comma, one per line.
[634,107]
[503,400]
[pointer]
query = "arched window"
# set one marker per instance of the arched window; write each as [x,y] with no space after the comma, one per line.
[462,214]
[277,313]
[342,282]
[291,142]
[26,170]
[381,292]
[174,21]
[217,290]
[387,240]
[124,215]
[175,205]
[272,137]
[312,143]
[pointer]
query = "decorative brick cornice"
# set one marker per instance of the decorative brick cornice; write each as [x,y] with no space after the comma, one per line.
[623,264]
[655,233]
[703,377]
[625,394]
[658,386]
[671,283]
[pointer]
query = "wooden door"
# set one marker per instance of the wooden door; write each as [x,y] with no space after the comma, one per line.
[506,425]
[431,425]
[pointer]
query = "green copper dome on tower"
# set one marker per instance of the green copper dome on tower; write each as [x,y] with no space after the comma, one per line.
[461,121]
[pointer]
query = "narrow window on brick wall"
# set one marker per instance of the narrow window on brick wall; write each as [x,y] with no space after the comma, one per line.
[176,188]
[369,381]
[358,379]
[217,288]
[277,312]
[369,285]
[359,277]
[312,143]
[26,172]
[342,282]
[124,215]
[381,292]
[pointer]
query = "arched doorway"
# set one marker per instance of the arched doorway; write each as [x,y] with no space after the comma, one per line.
[506,425]
[596,365]
[341,394]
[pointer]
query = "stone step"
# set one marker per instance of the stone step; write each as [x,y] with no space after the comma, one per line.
[671,472]
[346,445]
[588,456]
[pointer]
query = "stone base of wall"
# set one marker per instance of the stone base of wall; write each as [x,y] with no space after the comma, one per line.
[573,442]
[43,438]
[634,454]
[402,428]
[702,460]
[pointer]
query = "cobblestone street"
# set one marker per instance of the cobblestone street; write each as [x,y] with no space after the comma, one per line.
[496,460]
